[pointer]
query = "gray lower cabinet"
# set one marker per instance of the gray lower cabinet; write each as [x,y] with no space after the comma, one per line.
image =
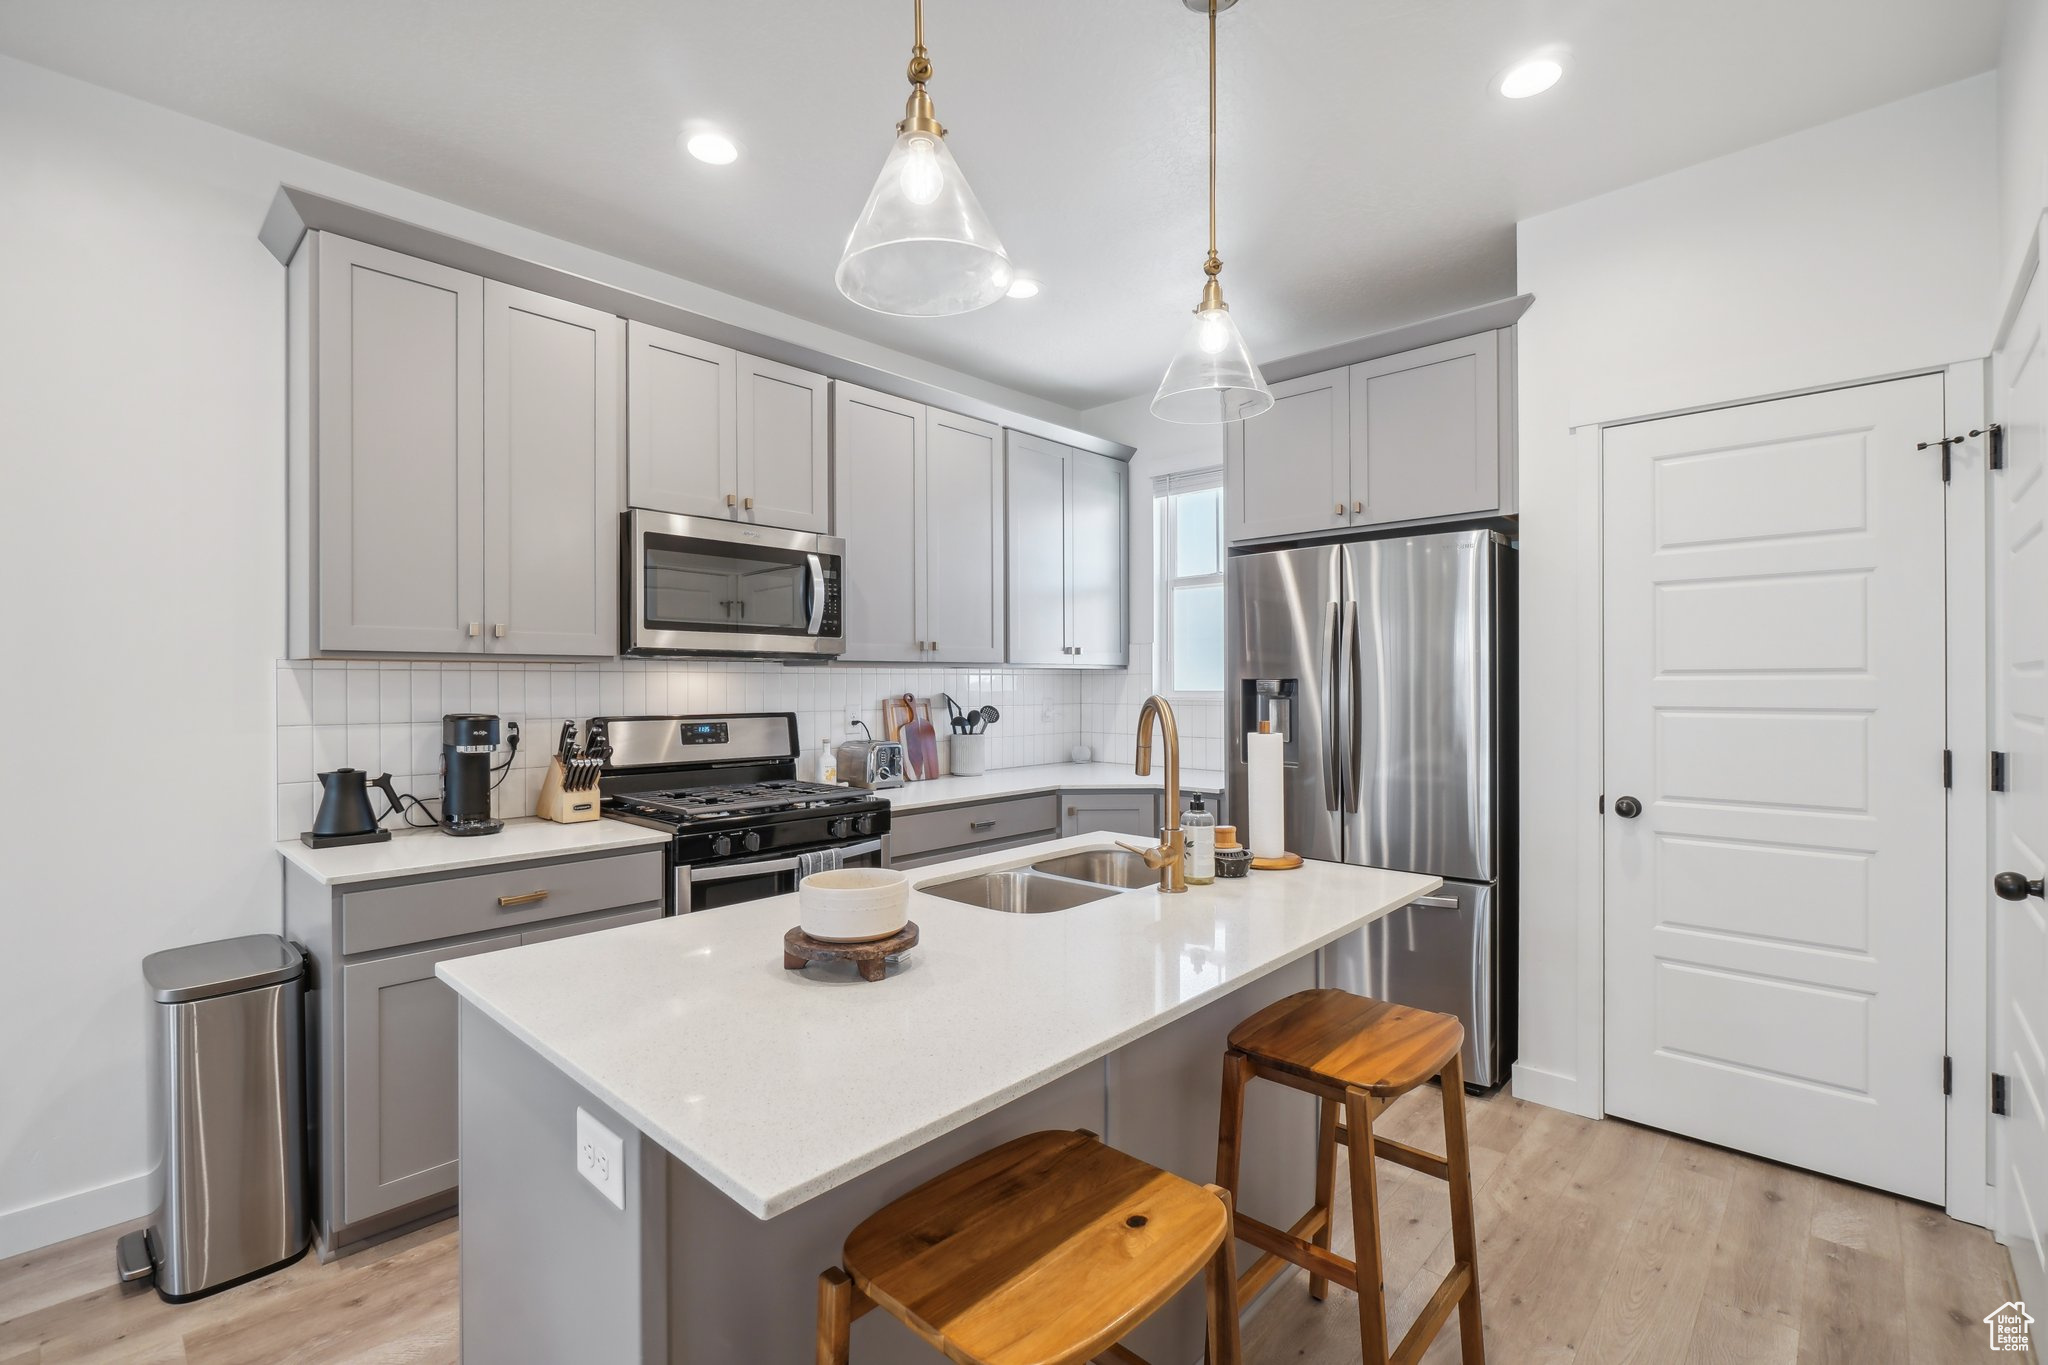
[381,1027]
[1133,813]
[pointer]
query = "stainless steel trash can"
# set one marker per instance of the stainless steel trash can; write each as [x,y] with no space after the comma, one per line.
[229,1092]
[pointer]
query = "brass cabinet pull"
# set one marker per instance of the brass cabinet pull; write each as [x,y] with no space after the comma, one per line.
[1358,507]
[1340,509]
[530,898]
[730,499]
[981,824]
[749,504]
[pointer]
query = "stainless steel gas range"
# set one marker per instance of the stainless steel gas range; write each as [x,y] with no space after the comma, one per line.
[744,827]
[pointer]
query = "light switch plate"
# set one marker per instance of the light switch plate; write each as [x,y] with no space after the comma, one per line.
[601,1158]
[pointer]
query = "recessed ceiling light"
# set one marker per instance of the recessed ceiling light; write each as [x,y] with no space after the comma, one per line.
[1532,77]
[715,148]
[1023,288]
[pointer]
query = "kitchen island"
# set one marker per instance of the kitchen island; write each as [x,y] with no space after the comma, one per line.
[761,1113]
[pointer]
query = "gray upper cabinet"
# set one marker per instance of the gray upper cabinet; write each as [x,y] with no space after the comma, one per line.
[455,455]
[1287,471]
[784,461]
[963,536]
[554,450]
[682,423]
[1069,516]
[712,432]
[387,481]
[1420,436]
[919,499]
[1425,432]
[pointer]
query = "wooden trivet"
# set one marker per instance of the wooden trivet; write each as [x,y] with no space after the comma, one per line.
[799,950]
[1285,862]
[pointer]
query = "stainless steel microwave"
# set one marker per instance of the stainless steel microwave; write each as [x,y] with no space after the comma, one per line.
[702,585]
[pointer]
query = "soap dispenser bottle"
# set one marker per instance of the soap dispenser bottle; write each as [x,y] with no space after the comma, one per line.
[1198,826]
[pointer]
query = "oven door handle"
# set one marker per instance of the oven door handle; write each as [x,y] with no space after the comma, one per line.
[817,594]
[725,872]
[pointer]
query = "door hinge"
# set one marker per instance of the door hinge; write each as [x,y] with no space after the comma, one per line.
[1948,1075]
[1995,453]
[1943,446]
[1948,767]
[1998,1105]
[1997,770]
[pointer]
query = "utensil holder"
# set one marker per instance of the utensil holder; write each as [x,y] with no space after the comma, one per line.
[970,755]
[566,807]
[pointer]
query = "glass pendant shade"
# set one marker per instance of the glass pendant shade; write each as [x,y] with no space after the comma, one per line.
[922,247]
[1212,377]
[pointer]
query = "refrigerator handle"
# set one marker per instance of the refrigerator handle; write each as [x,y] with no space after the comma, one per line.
[1354,720]
[1333,664]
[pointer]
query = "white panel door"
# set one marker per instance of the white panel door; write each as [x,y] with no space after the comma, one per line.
[682,424]
[1774,698]
[2019,710]
[877,488]
[783,461]
[963,536]
[1039,632]
[1287,472]
[1098,516]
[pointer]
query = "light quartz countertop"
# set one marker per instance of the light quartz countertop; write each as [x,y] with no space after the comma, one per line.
[418,852]
[778,1085]
[1044,777]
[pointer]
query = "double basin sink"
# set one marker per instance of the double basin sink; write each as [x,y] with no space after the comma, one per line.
[1058,883]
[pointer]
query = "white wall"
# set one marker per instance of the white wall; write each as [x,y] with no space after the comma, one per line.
[2022,131]
[1860,248]
[142,552]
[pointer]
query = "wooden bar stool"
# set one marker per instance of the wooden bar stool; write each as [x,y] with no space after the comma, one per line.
[1358,1056]
[1044,1251]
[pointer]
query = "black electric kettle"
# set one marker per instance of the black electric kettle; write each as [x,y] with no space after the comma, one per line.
[345,815]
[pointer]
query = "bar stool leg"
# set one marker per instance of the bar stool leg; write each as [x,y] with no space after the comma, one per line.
[1326,1187]
[1365,1220]
[1464,1238]
[835,1316]
[1237,1069]
[1220,1295]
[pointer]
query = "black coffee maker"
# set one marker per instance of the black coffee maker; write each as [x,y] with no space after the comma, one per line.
[467,743]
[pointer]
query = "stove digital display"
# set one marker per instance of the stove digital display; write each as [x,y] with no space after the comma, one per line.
[704,732]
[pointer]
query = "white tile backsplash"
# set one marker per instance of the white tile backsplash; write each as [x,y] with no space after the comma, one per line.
[386,716]
[1109,724]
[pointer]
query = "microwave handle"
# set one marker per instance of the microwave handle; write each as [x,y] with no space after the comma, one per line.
[817,593]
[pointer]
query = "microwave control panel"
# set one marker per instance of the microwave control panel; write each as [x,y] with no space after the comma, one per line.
[829,628]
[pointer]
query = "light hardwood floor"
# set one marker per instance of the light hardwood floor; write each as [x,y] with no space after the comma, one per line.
[1599,1242]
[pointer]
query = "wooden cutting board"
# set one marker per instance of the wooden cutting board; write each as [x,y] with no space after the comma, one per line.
[920,741]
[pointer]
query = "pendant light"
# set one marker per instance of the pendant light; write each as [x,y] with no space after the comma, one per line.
[1212,377]
[922,247]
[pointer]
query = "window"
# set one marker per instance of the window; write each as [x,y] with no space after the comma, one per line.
[1188,534]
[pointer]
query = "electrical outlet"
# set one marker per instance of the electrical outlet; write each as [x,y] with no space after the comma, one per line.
[854,719]
[601,1158]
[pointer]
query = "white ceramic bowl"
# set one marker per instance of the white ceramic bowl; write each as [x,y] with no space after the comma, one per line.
[853,904]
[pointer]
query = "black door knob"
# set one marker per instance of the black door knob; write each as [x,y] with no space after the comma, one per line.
[1627,807]
[2014,887]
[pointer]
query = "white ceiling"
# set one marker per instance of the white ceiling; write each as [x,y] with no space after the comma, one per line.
[1370,175]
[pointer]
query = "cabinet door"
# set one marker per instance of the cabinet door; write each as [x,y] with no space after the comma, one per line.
[398,1099]
[1135,813]
[877,456]
[554,391]
[1287,472]
[1098,521]
[963,535]
[1036,523]
[1425,432]
[682,424]
[783,465]
[399,562]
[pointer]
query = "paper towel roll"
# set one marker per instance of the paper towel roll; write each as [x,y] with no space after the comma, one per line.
[1265,776]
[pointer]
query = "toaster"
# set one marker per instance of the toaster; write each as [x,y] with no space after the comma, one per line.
[870,763]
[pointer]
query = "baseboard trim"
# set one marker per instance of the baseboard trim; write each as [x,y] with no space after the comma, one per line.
[1549,1088]
[35,1226]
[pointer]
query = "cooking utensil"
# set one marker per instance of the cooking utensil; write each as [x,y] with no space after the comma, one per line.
[920,740]
[346,815]
[959,716]
[985,717]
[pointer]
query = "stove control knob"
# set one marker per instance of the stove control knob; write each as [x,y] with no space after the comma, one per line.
[840,827]
[865,824]
[721,845]
[751,841]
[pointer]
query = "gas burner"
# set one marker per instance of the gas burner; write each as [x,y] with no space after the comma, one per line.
[750,798]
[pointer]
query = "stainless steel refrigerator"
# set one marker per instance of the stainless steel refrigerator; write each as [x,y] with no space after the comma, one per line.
[1387,666]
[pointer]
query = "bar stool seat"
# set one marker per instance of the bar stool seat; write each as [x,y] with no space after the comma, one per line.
[1357,1056]
[1046,1250]
[1347,1040]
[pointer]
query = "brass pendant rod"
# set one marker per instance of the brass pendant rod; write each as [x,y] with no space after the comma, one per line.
[1212,128]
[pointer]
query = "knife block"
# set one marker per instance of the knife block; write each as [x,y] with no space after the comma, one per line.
[566,807]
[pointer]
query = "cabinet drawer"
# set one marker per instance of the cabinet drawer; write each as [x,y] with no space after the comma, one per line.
[591,925]
[504,898]
[987,822]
